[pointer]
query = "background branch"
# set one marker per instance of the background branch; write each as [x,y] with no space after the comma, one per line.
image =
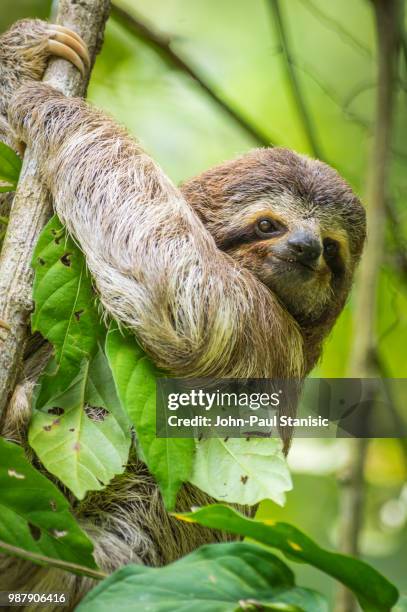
[336,27]
[399,239]
[161,44]
[363,362]
[32,207]
[292,79]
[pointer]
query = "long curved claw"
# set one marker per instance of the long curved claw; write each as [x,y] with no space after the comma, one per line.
[76,44]
[64,30]
[62,50]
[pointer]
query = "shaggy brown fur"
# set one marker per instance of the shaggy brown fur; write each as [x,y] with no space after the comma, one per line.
[185,269]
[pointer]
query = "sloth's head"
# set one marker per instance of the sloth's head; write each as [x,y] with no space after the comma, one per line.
[293,221]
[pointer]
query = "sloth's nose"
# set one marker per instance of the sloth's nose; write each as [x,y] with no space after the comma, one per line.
[305,247]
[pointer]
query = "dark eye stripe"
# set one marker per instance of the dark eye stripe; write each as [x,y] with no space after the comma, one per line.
[250,234]
[332,256]
[331,247]
[236,238]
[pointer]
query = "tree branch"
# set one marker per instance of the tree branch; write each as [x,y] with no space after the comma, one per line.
[162,46]
[398,238]
[387,14]
[398,422]
[67,566]
[32,207]
[363,362]
[336,27]
[293,80]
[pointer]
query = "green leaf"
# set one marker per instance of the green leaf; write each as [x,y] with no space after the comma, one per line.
[82,435]
[247,470]
[374,592]
[216,577]
[84,447]
[401,605]
[5,186]
[10,167]
[169,460]
[35,515]
[66,312]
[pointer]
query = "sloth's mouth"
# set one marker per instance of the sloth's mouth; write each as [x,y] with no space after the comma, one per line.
[296,262]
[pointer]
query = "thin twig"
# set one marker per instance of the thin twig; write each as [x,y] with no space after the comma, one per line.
[398,422]
[404,47]
[399,240]
[43,559]
[364,351]
[31,207]
[336,27]
[334,96]
[293,80]
[377,186]
[161,44]
[356,91]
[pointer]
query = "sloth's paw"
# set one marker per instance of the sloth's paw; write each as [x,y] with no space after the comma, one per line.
[67,44]
[28,45]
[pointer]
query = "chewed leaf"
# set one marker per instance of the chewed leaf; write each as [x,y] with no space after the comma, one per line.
[82,435]
[5,186]
[66,312]
[247,470]
[35,516]
[169,460]
[10,167]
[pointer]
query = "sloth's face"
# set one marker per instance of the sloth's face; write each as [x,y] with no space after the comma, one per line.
[293,221]
[300,254]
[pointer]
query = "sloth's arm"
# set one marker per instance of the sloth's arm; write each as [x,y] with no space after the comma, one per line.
[156,267]
[24,53]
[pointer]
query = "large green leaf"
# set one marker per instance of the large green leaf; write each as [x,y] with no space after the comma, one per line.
[66,312]
[247,470]
[10,167]
[35,515]
[214,578]
[6,186]
[374,592]
[82,435]
[169,460]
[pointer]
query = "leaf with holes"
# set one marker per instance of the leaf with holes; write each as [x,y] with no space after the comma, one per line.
[374,592]
[66,312]
[221,577]
[10,167]
[247,470]
[82,435]
[35,515]
[169,460]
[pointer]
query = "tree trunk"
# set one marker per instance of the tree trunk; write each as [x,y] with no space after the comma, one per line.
[363,360]
[32,207]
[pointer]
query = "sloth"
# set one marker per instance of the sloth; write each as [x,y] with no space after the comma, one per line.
[241,272]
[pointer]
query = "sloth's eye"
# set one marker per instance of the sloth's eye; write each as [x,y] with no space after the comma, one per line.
[331,248]
[267,227]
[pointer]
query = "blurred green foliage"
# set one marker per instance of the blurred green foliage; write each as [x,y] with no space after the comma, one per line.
[234,46]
